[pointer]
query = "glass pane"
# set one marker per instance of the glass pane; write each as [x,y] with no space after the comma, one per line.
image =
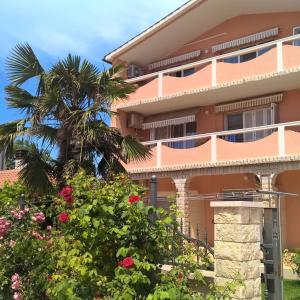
[296,31]
[191,129]
[248,122]
[247,56]
[232,60]
[188,72]
[262,51]
[235,121]
[161,133]
[259,118]
[177,131]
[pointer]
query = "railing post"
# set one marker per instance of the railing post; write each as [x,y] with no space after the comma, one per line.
[22,202]
[158,154]
[281,141]
[160,84]
[214,72]
[213,154]
[279,56]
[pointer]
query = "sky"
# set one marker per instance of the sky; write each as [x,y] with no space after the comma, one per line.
[89,28]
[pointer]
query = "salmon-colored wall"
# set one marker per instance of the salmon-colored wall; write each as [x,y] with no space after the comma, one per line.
[238,27]
[200,211]
[290,182]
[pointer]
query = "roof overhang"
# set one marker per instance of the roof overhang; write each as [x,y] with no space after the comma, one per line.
[186,23]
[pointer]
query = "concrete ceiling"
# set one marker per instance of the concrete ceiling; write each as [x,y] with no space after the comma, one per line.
[189,21]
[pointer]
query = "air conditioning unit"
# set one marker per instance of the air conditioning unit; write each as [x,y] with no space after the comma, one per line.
[134,71]
[135,120]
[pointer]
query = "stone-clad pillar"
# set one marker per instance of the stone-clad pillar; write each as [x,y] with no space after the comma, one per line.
[237,246]
[182,201]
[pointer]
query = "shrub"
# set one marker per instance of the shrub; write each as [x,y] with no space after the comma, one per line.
[296,262]
[105,243]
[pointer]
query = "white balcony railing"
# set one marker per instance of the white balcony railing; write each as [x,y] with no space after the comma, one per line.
[214,60]
[281,143]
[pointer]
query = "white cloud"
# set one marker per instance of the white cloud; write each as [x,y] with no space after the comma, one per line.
[89,28]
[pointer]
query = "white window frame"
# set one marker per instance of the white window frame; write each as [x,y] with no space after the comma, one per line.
[273,111]
[153,137]
[256,52]
[182,73]
[296,43]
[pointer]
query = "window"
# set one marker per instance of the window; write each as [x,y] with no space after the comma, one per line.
[248,119]
[174,131]
[183,73]
[246,57]
[296,30]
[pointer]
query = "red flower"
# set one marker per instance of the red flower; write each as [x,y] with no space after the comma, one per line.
[63,217]
[67,190]
[133,199]
[69,199]
[49,278]
[67,193]
[126,263]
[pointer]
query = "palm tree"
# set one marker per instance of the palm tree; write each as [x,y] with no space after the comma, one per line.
[67,111]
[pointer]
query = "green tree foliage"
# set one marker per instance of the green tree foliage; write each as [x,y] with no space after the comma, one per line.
[67,111]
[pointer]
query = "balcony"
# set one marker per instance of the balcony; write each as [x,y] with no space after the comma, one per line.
[216,80]
[281,141]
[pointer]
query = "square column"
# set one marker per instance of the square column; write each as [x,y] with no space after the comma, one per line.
[237,246]
[182,201]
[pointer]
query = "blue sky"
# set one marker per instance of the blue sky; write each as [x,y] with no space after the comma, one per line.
[89,28]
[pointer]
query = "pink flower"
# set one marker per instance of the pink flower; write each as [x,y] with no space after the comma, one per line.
[38,217]
[49,227]
[16,285]
[15,277]
[63,217]
[18,296]
[38,236]
[126,263]
[12,243]
[133,199]
[4,227]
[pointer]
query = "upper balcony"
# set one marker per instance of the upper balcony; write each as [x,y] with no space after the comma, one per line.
[268,143]
[219,79]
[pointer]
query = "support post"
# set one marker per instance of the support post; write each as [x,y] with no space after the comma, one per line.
[160,84]
[237,246]
[153,191]
[22,202]
[214,72]
[279,57]
[182,201]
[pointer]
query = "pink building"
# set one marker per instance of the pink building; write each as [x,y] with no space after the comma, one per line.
[218,102]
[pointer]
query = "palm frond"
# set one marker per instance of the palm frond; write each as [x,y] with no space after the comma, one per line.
[21,99]
[22,65]
[9,132]
[36,172]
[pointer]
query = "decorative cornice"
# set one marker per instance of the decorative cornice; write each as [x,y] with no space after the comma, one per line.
[254,165]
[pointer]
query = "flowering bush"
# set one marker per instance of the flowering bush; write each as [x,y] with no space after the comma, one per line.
[104,244]
[25,251]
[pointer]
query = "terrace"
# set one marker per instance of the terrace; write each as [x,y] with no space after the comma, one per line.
[279,142]
[219,79]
